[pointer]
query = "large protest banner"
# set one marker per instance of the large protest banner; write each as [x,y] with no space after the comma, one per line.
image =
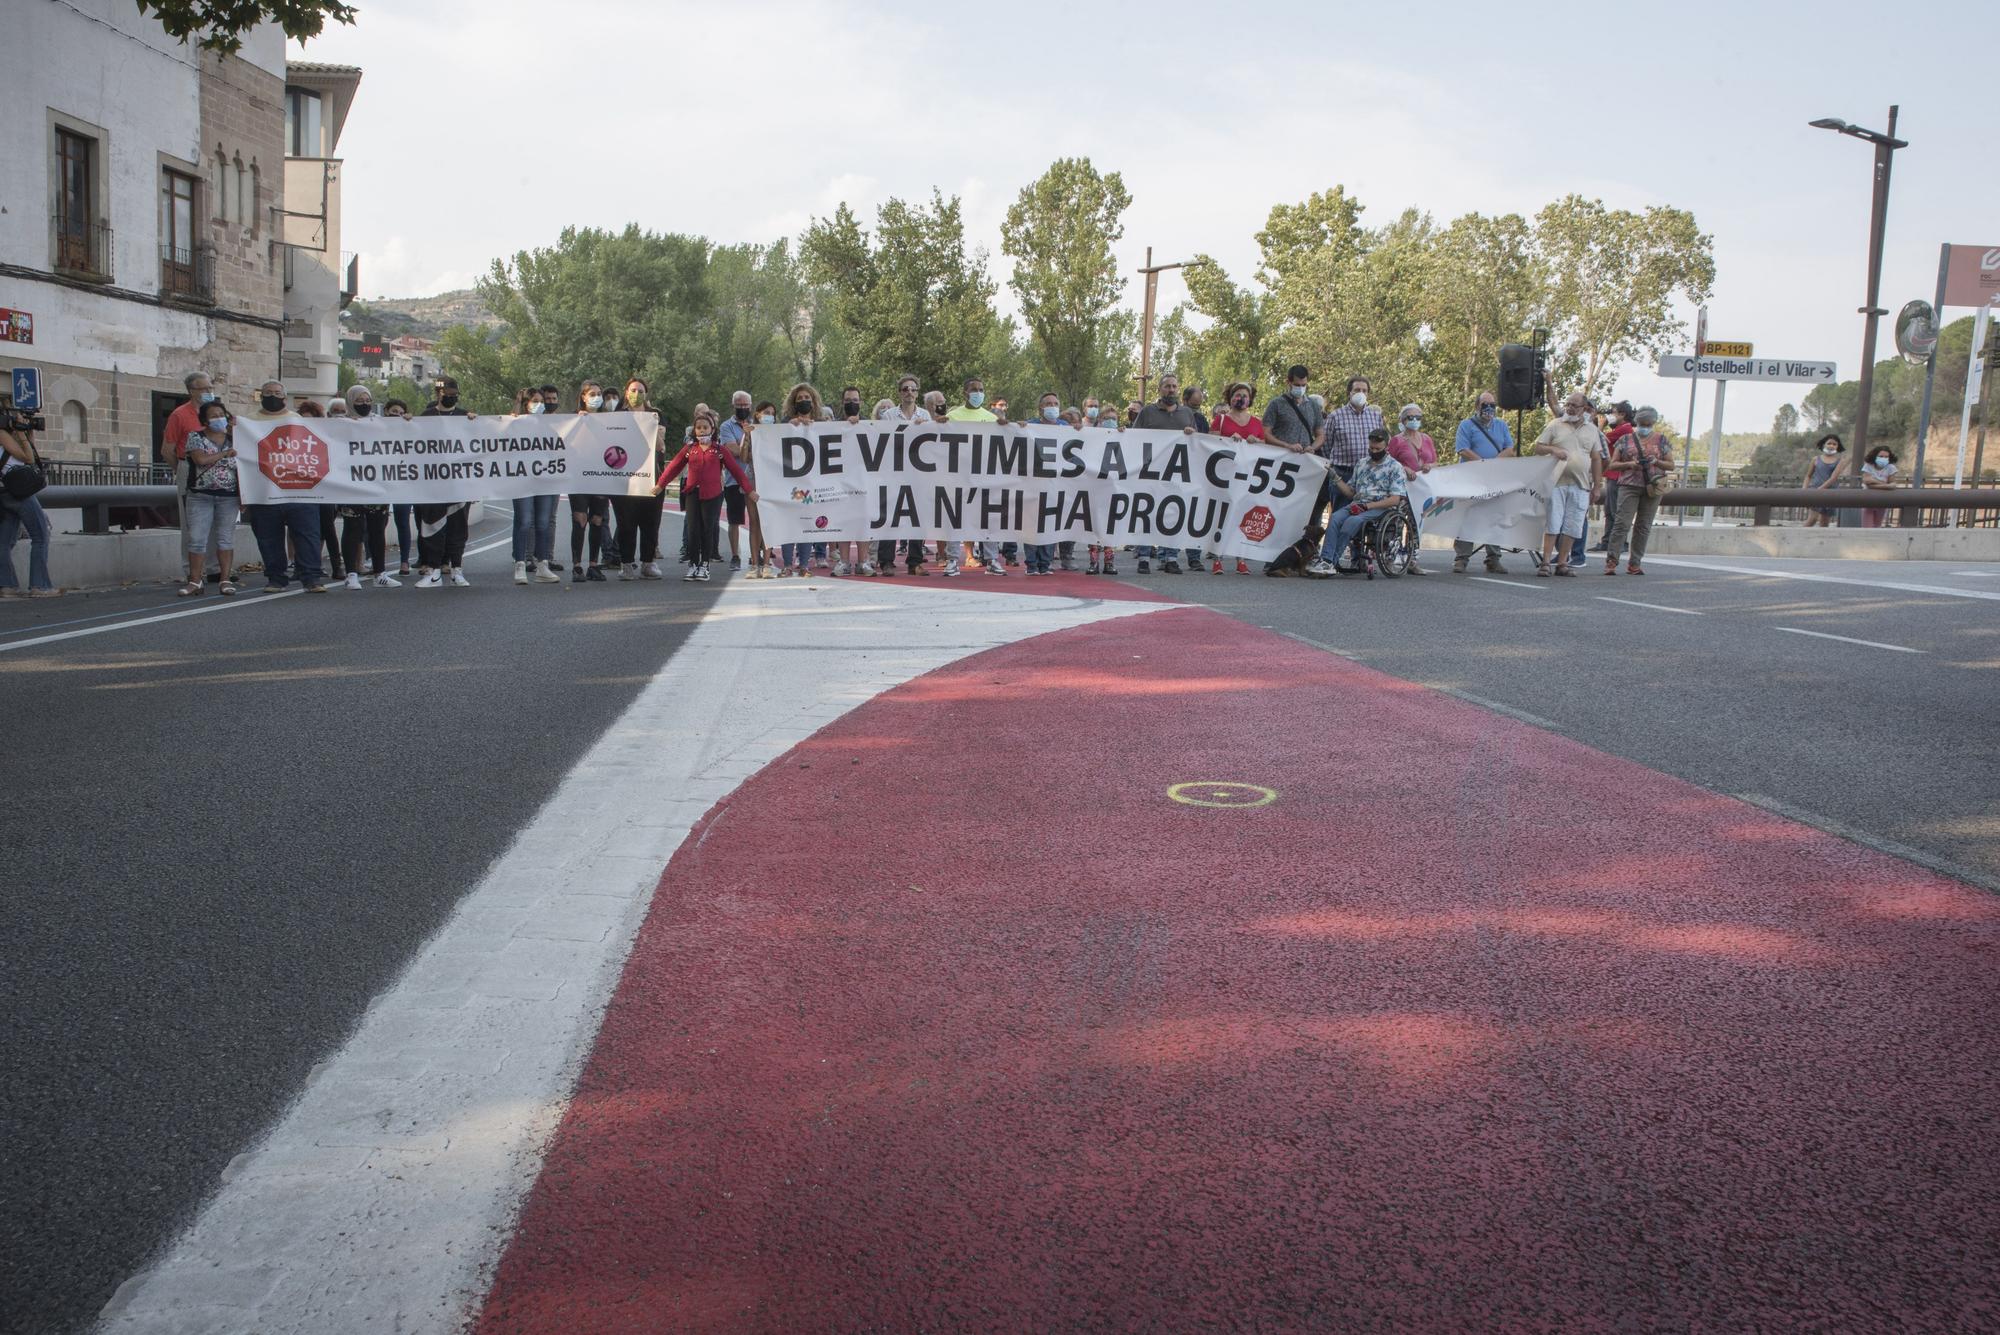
[377,460]
[988,482]
[1504,502]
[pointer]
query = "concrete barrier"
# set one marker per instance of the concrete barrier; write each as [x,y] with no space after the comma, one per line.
[80,560]
[1829,544]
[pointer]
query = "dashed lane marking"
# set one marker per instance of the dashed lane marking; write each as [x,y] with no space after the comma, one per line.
[1651,607]
[1847,639]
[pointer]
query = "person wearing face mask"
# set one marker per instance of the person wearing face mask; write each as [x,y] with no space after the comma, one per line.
[1641,470]
[1294,420]
[534,516]
[331,516]
[1192,398]
[701,498]
[405,515]
[851,557]
[441,528]
[1416,452]
[588,514]
[1167,413]
[1237,422]
[1374,487]
[1617,425]
[273,523]
[735,438]
[1573,441]
[1344,435]
[212,500]
[801,409]
[1484,435]
[363,528]
[974,408]
[1827,468]
[903,411]
[1878,474]
[336,407]
[636,531]
[182,422]
[948,549]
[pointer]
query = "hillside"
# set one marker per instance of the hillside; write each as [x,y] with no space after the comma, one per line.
[425,317]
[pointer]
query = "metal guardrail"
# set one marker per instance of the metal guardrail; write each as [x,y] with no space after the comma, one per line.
[72,473]
[1909,503]
[97,502]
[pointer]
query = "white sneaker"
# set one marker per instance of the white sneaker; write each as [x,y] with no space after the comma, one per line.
[867,567]
[628,571]
[1320,569]
[689,574]
[353,580]
[701,572]
[458,578]
[432,579]
[951,570]
[385,580]
[520,572]
[996,568]
[546,573]
[840,567]
[650,570]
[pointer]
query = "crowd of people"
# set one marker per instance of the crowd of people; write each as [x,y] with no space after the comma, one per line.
[1617,457]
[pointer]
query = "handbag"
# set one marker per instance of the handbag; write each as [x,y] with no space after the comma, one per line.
[1655,487]
[25,479]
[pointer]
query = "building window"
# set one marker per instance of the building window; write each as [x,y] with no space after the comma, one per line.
[76,201]
[242,207]
[221,185]
[302,124]
[177,235]
[74,420]
[256,199]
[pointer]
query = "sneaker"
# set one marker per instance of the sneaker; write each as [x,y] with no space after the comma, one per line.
[1145,566]
[1458,565]
[1170,567]
[840,567]
[1242,566]
[701,572]
[433,579]
[628,571]
[1110,567]
[576,574]
[1416,569]
[651,570]
[1215,566]
[385,580]
[594,575]
[458,578]
[1320,569]
[545,573]
[997,568]
[687,576]
[520,572]
[868,567]
[1495,568]
[353,580]
[735,563]
[951,570]
[310,588]
[1093,568]
[276,585]
[1598,548]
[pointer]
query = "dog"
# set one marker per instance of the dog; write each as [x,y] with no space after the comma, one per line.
[1294,558]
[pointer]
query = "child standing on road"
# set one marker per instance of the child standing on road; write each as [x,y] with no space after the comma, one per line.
[704,461]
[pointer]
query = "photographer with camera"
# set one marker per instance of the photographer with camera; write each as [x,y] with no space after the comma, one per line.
[20,478]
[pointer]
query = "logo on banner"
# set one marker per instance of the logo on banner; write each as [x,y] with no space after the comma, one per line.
[801,495]
[1258,523]
[819,521]
[294,458]
[1991,259]
[615,457]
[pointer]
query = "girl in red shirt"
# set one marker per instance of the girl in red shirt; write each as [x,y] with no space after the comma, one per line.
[1238,421]
[704,461]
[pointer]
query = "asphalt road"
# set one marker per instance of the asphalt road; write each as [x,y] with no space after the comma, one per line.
[226,834]
[230,830]
[1902,747]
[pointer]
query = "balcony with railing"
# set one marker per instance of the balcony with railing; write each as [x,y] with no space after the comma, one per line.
[187,273]
[81,248]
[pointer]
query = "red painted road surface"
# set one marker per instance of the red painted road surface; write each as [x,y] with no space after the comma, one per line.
[953,1020]
[1062,584]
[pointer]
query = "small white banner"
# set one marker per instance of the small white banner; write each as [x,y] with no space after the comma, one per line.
[1504,502]
[982,481]
[434,460]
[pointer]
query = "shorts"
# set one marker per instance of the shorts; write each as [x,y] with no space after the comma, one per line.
[738,508]
[1569,511]
[590,507]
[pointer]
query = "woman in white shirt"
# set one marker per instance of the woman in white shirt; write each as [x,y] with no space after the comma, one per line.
[1878,474]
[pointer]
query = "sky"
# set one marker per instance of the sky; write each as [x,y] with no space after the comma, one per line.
[482,127]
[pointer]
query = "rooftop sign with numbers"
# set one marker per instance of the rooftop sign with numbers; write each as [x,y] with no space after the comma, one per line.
[1687,366]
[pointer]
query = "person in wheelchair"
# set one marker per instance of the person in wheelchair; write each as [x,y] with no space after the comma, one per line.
[1376,491]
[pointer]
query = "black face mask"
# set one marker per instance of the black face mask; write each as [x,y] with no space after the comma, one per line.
[803,408]
[447,400]
[1239,403]
[1377,456]
[742,414]
[273,403]
[1166,400]
[362,409]
[851,407]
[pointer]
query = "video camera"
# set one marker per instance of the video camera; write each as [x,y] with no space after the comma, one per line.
[13,419]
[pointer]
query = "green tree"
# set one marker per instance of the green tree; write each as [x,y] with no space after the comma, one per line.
[223,23]
[910,299]
[1786,423]
[1060,233]
[1612,276]
[1486,286]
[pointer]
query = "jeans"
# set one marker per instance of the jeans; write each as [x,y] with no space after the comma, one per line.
[15,516]
[1040,556]
[211,523]
[1347,527]
[1635,517]
[270,523]
[535,528]
[406,530]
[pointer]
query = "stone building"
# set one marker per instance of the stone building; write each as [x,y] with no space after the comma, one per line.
[142,219]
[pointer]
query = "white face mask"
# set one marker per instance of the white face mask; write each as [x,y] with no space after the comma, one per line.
[1051,414]
[767,419]
[538,407]
[594,402]
[1829,450]
[1413,424]
[1573,417]
[1358,399]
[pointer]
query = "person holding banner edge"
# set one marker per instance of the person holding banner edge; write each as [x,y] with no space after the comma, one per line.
[638,528]
[704,461]
[441,529]
[534,516]
[1484,435]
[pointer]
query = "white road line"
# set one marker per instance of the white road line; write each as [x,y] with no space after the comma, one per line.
[1978,574]
[1846,639]
[1944,589]
[1506,583]
[1839,829]
[251,599]
[383,1197]
[1653,607]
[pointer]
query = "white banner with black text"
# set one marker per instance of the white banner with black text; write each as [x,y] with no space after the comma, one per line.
[432,460]
[982,481]
[1504,502]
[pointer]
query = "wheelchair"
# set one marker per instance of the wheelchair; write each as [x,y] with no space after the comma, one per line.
[1389,545]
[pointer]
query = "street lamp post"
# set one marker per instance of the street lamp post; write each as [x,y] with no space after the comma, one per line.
[1152,272]
[1886,145]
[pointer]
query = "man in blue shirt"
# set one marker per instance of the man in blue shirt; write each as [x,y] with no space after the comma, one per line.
[1484,435]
